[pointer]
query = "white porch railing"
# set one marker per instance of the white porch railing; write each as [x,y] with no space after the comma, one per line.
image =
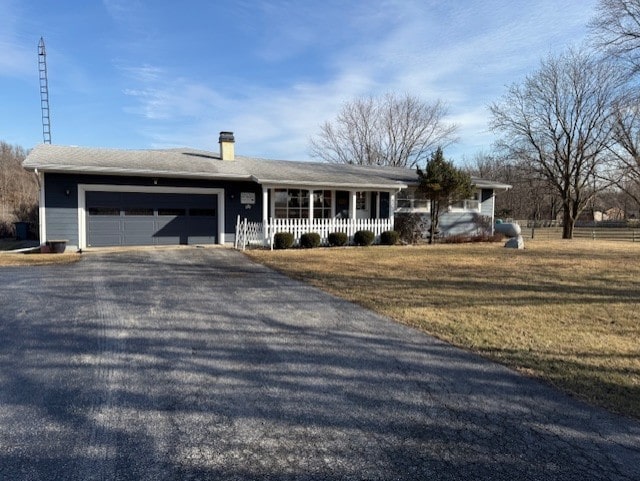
[248,233]
[255,233]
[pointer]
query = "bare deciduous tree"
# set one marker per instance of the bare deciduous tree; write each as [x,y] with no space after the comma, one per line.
[531,196]
[615,30]
[626,133]
[18,188]
[559,120]
[393,130]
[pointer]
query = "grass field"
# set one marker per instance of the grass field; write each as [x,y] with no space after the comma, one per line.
[567,312]
[10,259]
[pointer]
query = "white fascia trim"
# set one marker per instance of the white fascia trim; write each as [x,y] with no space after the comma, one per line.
[84,188]
[66,169]
[272,184]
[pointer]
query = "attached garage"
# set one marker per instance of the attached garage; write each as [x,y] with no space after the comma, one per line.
[149,216]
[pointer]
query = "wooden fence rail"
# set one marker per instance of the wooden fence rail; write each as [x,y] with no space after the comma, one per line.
[590,233]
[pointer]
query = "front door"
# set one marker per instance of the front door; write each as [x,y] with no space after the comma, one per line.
[363,205]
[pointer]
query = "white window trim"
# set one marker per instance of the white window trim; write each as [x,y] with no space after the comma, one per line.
[84,188]
[269,192]
[464,209]
[412,199]
[272,198]
[427,209]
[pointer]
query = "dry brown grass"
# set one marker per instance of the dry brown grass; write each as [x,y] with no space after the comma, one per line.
[564,311]
[37,259]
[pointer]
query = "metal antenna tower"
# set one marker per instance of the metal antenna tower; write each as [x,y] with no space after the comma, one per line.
[44,92]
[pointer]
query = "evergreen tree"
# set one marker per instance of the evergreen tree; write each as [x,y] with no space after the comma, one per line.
[442,184]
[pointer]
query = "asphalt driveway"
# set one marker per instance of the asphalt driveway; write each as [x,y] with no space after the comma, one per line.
[198,364]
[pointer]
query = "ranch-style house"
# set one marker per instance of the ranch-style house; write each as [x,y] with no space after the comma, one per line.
[94,197]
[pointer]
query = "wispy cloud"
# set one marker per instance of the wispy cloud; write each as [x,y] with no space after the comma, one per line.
[462,53]
[121,9]
[16,58]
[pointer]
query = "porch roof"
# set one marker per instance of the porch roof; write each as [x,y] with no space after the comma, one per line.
[192,163]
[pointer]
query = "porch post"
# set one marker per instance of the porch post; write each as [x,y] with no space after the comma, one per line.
[377,205]
[333,204]
[265,204]
[493,210]
[265,215]
[352,204]
[392,206]
[310,205]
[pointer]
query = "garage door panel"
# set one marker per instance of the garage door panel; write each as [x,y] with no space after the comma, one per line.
[105,226]
[104,229]
[133,240]
[139,226]
[201,226]
[171,230]
[132,218]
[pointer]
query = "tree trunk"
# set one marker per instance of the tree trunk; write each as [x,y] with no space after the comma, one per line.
[568,222]
[434,221]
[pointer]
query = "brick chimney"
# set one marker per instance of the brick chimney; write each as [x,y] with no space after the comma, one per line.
[227,150]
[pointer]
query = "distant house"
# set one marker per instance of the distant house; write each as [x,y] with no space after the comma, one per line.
[112,197]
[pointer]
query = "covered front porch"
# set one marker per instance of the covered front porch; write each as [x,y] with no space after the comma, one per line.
[302,209]
[311,203]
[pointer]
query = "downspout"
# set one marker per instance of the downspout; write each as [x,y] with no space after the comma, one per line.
[42,229]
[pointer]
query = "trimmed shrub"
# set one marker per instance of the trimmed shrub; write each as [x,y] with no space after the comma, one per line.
[410,227]
[310,240]
[282,240]
[337,239]
[363,238]
[389,238]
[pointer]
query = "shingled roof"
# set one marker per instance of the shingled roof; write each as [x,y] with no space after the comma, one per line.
[191,163]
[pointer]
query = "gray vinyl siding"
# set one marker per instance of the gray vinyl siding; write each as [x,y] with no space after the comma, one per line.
[487,202]
[468,223]
[62,210]
[458,223]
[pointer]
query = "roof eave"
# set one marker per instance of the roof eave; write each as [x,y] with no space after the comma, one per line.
[341,185]
[70,169]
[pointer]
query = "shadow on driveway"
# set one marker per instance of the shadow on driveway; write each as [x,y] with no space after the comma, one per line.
[198,364]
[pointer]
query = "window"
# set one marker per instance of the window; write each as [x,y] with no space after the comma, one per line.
[409,199]
[321,204]
[202,212]
[291,203]
[104,211]
[140,211]
[468,204]
[361,201]
[172,212]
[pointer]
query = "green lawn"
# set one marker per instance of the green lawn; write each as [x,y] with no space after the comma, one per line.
[564,311]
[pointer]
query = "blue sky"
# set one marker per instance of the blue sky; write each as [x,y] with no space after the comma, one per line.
[161,73]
